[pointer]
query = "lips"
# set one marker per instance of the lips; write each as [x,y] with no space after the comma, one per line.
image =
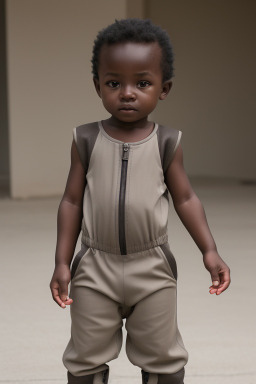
[127,108]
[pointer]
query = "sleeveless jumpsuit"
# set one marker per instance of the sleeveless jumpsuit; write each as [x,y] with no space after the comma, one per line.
[125,268]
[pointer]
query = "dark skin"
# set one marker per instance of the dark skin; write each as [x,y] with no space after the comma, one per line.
[130,86]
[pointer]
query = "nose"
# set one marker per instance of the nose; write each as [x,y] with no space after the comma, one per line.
[127,93]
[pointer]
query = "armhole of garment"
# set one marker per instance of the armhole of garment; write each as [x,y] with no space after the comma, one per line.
[74,135]
[177,143]
[168,141]
[85,137]
[77,147]
[171,152]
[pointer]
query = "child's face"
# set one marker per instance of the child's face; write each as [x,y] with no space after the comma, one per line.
[130,80]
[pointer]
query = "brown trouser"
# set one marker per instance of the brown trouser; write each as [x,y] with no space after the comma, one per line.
[140,287]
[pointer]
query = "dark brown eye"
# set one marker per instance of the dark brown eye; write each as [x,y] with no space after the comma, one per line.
[113,84]
[143,84]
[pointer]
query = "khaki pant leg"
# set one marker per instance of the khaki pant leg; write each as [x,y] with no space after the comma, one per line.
[96,332]
[153,339]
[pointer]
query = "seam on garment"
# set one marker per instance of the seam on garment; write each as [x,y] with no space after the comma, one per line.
[166,262]
[123,261]
[95,244]
[151,244]
[77,261]
[172,153]
[170,259]
[132,249]
[177,142]
[91,154]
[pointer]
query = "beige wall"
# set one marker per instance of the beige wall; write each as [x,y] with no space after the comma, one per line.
[50,85]
[136,8]
[213,100]
[4,140]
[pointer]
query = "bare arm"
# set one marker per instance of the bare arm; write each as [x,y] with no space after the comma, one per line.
[68,228]
[192,215]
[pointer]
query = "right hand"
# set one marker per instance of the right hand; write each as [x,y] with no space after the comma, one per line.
[59,285]
[220,272]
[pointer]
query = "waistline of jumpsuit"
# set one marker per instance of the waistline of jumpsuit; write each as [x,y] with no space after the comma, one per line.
[130,249]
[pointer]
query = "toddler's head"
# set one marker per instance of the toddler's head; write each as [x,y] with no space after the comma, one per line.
[136,31]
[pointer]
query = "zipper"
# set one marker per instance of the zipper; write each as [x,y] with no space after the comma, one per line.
[122,239]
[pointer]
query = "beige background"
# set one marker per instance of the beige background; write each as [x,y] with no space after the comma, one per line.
[213,100]
[50,88]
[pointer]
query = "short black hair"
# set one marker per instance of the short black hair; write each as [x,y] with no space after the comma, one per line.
[138,31]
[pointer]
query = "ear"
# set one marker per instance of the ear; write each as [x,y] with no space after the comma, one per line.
[166,87]
[97,86]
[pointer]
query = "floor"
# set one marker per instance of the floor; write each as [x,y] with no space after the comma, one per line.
[219,332]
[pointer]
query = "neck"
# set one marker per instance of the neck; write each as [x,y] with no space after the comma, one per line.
[128,132]
[115,124]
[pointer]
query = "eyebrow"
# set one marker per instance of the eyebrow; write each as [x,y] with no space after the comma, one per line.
[145,73]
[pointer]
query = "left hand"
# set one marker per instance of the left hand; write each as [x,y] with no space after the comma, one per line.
[220,272]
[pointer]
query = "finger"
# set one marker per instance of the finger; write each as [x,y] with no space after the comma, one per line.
[68,301]
[222,287]
[63,290]
[214,276]
[56,297]
[225,277]
[215,280]
[214,287]
[212,290]
[225,281]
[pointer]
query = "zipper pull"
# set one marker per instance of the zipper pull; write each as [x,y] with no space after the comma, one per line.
[126,148]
